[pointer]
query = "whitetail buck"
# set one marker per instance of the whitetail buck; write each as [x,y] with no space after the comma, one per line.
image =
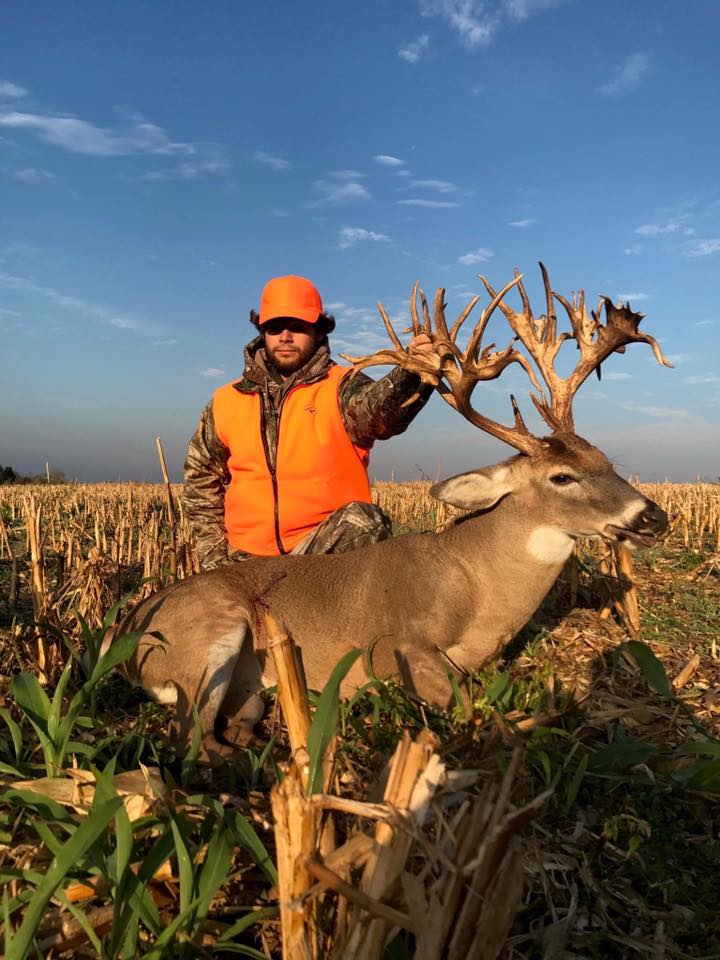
[428,602]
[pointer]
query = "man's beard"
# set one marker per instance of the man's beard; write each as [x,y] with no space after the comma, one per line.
[292,361]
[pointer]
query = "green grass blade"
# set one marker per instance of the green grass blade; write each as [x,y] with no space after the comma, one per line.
[650,666]
[135,898]
[456,692]
[244,923]
[324,723]
[710,748]
[56,705]
[32,700]
[185,863]
[247,838]
[214,869]
[74,848]
[15,732]
[121,649]
[189,761]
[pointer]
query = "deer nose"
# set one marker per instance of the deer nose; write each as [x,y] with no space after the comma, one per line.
[654,518]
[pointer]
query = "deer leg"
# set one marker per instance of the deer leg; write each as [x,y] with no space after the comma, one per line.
[242,707]
[206,690]
[422,670]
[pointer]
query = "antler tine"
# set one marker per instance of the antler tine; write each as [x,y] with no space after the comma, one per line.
[439,314]
[551,328]
[497,298]
[527,309]
[414,311]
[462,318]
[389,327]
[496,301]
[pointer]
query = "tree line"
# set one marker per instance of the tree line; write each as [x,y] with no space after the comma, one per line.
[8,475]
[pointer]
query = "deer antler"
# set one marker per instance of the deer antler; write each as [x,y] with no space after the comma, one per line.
[455,372]
[595,341]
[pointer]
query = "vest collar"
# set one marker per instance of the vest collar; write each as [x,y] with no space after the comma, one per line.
[260,377]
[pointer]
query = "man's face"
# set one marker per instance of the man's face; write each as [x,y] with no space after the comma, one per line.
[289,343]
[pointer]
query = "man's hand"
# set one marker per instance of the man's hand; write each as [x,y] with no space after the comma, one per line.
[421,344]
[423,349]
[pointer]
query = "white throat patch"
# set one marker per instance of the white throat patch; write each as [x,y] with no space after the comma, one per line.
[548,545]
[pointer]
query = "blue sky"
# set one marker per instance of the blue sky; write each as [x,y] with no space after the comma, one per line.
[160,162]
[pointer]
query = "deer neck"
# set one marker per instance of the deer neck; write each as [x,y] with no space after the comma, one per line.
[512,563]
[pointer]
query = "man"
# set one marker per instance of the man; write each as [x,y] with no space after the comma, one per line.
[279,461]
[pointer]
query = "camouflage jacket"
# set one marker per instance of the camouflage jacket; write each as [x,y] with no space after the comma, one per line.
[371,410]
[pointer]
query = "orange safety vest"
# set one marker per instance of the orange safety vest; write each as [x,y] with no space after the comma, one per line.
[317,466]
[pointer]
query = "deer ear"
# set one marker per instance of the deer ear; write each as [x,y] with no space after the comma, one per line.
[478,490]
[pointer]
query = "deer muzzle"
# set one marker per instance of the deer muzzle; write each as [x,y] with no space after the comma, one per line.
[645,530]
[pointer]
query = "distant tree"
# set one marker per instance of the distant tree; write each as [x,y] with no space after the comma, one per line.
[7,475]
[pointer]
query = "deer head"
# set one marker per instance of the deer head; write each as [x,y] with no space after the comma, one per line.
[555,461]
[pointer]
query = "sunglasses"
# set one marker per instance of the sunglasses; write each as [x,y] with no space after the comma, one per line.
[293,325]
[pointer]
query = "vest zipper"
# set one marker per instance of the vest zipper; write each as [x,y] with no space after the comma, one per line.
[271,466]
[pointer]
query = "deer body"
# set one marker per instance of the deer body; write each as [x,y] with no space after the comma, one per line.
[428,602]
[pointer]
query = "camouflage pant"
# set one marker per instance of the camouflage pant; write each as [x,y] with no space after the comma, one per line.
[357,524]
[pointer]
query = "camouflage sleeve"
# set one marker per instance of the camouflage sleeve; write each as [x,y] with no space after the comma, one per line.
[373,410]
[206,476]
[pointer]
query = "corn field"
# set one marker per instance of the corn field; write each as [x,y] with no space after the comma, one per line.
[588,770]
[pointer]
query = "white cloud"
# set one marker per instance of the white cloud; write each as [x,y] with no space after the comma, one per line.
[335,305]
[83,308]
[704,248]
[660,229]
[652,411]
[275,163]
[388,161]
[137,136]
[213,162]
[11,91]
[522,223]
[213,372]
[433,204]
[522,9]
[337,193]
[467,18]
[442,186]
[702,378]
[33,175]
[168,342]
[616,376]
[349,236]
[481,255]
[346,174]
[627,297]
[414,51]
[704,323]
[627,75]
[632,251]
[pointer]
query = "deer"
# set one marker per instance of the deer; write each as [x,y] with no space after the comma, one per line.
[430,605]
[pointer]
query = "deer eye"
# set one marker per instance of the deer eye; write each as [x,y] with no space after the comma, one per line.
[562,479]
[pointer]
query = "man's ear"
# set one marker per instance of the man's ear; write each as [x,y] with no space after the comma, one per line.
[477,490]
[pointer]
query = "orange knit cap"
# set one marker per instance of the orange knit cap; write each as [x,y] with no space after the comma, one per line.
[290,297]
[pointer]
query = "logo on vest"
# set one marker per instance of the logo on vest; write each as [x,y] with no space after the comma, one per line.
[310,409]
